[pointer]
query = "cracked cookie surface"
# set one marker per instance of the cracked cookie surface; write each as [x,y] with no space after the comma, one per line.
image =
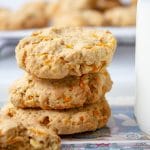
[56,52]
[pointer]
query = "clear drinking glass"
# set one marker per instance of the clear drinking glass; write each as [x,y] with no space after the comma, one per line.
[142,103]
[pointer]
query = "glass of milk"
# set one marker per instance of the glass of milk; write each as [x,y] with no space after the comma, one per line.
[142,103]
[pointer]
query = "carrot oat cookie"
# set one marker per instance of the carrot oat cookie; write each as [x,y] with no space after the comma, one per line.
[51,10]
[15,136]
[70,92]
[30,15]
[71,19]
[107,4]
[87,118]
[79,18]
[4,19]
[69,5]
[121,16]
[93,18]
[56,52]
[133,2]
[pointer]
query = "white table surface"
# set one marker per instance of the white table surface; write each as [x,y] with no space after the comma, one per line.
[121,70]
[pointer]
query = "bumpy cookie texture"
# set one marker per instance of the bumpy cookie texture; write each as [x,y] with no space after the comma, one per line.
[87,118]
[31,15]
[121,16]
[56,52]
[15,136]
[70,92]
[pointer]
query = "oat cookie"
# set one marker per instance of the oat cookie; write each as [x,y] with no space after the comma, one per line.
[107,4]
[56,52]
[71,19]
[31,15]
[79,18]
[4,19]
[93,18]
[15,136]
[51,10]
[69,5]
[121,16]
[87,118]
[70,92]
[134,2]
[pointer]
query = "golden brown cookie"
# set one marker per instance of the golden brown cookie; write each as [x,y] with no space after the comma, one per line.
[5,19]
[93,18]
[30,15]
[56,52]
[70,92]
[51,10]
[134,2]
[87,118]
[121,16]
[79,18]
[15,136]
[107,4]
[69,5]
[71,19]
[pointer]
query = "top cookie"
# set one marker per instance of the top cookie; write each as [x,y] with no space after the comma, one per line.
[56,52]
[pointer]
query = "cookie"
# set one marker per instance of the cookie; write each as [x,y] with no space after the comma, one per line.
[4,19]
[121,16]
[134,2]
[56,52]
[107,4]
[15,136]
[72,19]
[79,18]
[93,18]
[87,118]
[51,10]
[70,92]
[30,15]
[69,5]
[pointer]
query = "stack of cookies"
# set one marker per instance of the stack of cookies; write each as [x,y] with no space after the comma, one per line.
[65,82]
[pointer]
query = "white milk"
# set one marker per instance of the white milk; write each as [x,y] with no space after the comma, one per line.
[142,105]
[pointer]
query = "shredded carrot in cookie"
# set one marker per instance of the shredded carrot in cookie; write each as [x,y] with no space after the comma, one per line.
[30,97]
[82,85]
[95,113]
[95,68]
[82,118]
[67,99]
[97,79]
[47,62]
